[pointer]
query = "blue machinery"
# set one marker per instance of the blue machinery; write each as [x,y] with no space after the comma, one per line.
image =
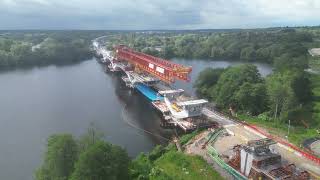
[148,92]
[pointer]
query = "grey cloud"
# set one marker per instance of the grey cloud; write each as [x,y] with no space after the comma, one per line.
[156,14]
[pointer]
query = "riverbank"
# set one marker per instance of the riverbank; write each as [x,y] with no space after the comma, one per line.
[168,163]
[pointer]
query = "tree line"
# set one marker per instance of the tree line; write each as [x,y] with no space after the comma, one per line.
[21,48]
[285,94]
[36,48]
[265,45]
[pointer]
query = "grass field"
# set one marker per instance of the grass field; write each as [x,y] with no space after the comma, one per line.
[179,166]
[296,135]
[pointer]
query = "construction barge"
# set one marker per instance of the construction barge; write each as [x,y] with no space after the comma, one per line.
[175,107]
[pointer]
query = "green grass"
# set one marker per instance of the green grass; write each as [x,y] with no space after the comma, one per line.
[176,165]
[296,135]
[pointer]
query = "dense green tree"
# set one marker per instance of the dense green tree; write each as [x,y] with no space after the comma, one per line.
[231,80]
[216,52]
[286,61]
[248,53]
[240,87]
[92,136]
[43,48]
[206,79]
[102,161]
[156,152]
[150,51]
[281,95]
[252,98]
[62,152]
[233,50]
[288,90]
[167,51]
[140,167]
[301,86]
[5,44]
[249,45]
[185,45]
[263,54]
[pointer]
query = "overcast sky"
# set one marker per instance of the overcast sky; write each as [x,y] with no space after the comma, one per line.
[156,14]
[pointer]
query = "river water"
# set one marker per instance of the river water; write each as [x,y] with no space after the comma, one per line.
[38,102]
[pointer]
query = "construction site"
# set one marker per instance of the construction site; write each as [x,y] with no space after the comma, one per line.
[238,148]
[152,77]
[257,160]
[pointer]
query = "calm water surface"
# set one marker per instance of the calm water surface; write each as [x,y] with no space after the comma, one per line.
[38,102]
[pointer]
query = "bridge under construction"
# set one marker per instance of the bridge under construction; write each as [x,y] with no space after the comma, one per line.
[152,77]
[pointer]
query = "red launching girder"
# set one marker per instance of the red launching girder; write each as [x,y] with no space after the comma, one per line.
[163,69]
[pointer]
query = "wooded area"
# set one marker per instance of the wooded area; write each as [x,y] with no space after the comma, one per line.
[37,48]
[271,46]
[289,93]
[90,157]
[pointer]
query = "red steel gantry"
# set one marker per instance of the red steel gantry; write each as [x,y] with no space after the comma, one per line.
[163,69]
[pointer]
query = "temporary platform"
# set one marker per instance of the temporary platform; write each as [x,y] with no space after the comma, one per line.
[171,91]
[141,77]
[182,108]
[185,124]
[161,106]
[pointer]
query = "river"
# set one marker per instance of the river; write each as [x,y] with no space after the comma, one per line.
[38,102]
